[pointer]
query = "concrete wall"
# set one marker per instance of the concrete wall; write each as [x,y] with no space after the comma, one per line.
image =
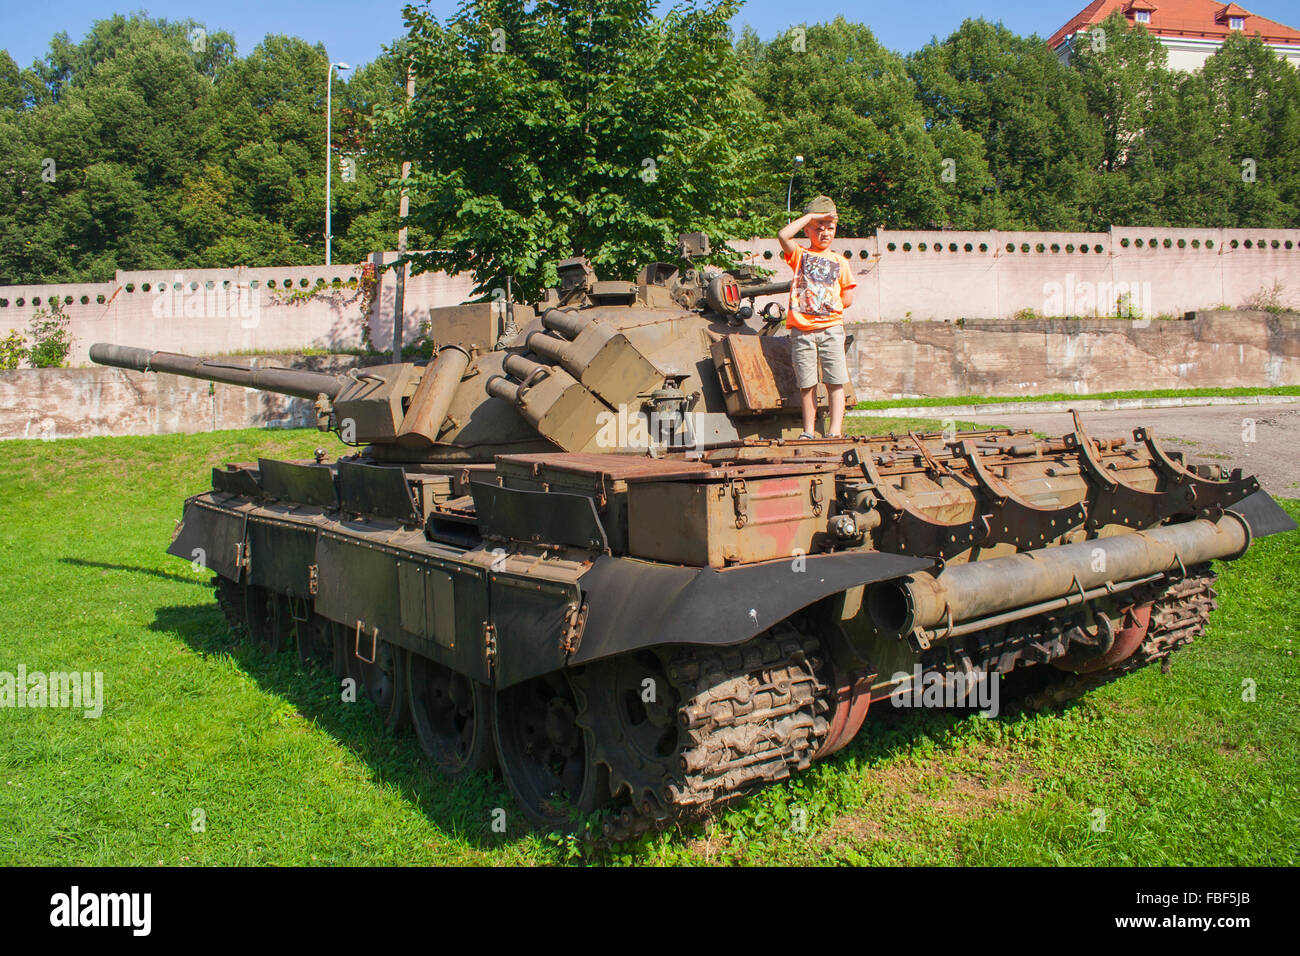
[1047,356]
[888,360]
[218,311]
[900,274]
[64,402]
[996,275]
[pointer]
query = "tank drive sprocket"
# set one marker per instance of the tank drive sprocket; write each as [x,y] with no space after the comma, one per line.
[723,722]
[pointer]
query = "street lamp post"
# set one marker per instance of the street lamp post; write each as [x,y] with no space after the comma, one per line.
[329,151]
[798,161]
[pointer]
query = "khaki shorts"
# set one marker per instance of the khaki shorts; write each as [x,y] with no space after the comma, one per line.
[828,345]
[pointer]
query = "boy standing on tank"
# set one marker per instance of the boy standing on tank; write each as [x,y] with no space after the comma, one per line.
[821,290]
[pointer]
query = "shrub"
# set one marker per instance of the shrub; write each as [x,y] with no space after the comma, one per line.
[51,341]
[12,350]
[1267,300]
[1126,308]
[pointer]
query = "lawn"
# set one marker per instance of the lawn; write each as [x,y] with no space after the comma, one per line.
[212,752]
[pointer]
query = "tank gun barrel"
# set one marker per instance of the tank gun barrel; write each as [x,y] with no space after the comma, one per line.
[286,381]
[764,288]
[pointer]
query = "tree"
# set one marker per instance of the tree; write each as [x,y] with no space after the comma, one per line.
[832,94]
[1252,98]
[1128,90]
[11,83]
[543,130]
[150,145]
[1028,118]
[99,153]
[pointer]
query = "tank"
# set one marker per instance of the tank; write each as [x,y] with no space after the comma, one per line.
[583,544]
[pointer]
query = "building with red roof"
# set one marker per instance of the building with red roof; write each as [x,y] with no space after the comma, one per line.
[1190,30]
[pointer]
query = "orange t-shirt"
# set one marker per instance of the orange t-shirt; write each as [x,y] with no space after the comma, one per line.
[819,278]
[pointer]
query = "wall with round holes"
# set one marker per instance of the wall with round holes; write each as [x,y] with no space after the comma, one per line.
[1125,272]
[901,275]
[219,311]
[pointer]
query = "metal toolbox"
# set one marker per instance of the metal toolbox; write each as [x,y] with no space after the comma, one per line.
[736,516]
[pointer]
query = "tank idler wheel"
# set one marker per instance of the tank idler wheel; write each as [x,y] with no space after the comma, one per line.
[452,716]
[384,679]
[316,641]
[547,760]
[269,621]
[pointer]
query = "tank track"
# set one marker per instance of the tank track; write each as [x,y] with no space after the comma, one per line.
[230,598]
[1178,616]
[741,718]
[747,716]
[752,715]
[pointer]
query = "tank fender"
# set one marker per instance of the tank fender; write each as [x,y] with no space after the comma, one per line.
[1264,515]
[633,604]
[211,536]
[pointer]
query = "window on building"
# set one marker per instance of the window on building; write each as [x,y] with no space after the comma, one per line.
[1142,16]
[1236,23]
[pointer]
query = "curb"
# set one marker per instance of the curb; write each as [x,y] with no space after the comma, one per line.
[1082,405]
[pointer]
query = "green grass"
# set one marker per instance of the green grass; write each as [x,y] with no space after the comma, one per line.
[1067,396]
[286,773]
[900,426]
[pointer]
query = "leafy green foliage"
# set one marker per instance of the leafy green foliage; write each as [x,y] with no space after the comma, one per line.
[13,349]
[51,341]
[574,128]
[1025,121]
[834,95]
[1254,121]
[150,145]
[601,129]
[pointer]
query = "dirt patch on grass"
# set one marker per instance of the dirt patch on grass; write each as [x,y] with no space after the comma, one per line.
[711,845]
[956,786]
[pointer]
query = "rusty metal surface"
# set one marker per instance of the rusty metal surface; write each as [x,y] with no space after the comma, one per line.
[1179,614]
[849,704]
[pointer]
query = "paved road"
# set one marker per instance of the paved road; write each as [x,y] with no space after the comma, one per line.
[1217,434]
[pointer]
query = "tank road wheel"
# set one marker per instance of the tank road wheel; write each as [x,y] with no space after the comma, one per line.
[452,716]
[339,647]
[269,621]
[546,758]
[384,679]
[1179,612]
[316,641]
[346,663]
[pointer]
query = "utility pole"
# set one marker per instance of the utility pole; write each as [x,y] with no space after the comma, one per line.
[329,150]
[404,205]
[789,190]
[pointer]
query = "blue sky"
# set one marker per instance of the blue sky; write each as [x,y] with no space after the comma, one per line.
[355,30]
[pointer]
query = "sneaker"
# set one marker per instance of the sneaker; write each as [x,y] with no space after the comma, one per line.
[806,435]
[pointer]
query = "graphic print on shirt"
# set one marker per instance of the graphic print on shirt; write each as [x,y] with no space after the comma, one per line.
[817,286]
